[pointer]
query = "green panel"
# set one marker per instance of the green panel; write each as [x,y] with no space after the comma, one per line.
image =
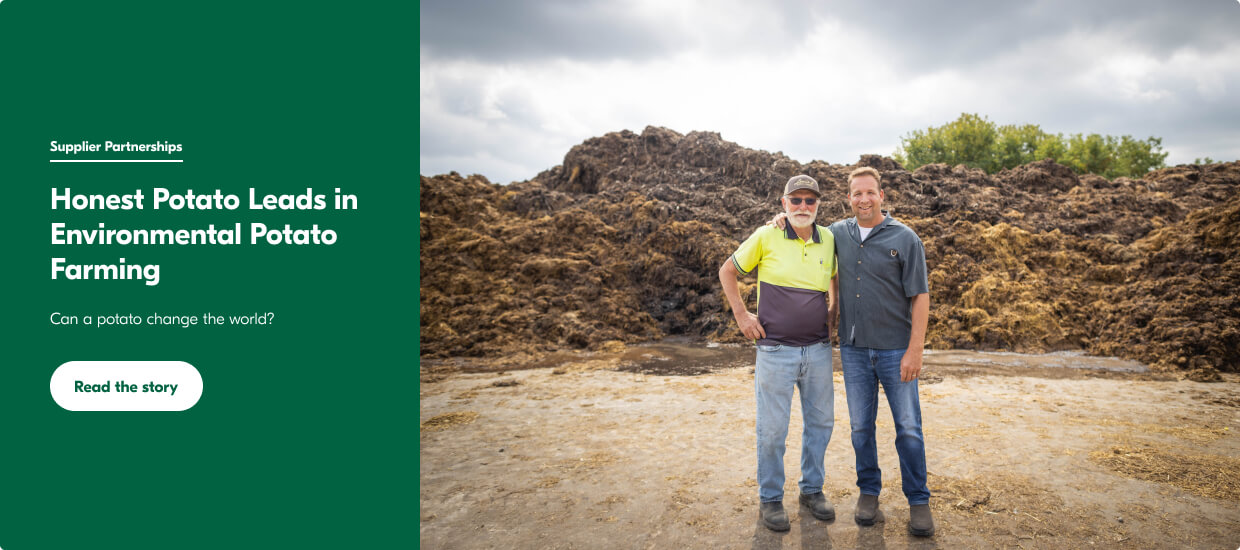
[305,435]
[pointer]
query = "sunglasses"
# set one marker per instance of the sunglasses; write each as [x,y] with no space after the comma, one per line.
[796,201]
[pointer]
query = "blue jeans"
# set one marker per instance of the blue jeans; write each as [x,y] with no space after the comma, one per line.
[779,369]
[864,370]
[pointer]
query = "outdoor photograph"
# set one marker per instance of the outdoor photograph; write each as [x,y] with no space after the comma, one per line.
[802,274]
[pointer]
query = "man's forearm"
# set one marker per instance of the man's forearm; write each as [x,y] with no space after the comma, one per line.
[727,278]
[921,317]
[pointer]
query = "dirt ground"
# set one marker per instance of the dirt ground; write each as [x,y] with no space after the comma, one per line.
[635,450]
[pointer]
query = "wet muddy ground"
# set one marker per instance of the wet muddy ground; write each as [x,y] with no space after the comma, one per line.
[653,447]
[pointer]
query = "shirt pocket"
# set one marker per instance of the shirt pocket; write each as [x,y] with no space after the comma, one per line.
[890,263]
[824,271]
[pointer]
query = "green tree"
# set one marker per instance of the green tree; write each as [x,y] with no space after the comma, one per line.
[968,140]
[1134,157]
[1052,147]
[1018,145]
[1092,154]
[977,142]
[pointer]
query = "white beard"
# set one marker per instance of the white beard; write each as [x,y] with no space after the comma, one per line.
[797,223]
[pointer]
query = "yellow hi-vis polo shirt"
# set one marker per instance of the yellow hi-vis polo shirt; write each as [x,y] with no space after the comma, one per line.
[793,279]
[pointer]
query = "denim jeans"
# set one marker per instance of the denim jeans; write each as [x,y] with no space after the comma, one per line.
[864,370]
[779,369]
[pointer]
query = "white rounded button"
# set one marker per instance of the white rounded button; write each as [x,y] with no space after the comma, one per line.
[126,386]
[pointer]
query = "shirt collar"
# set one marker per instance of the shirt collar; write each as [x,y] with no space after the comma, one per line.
[790,233]
[854,228]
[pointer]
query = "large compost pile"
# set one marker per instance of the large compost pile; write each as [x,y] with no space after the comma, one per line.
[623,241]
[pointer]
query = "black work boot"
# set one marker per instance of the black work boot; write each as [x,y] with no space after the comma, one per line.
[773,516]
[919,521]
[867,510]
[819,506]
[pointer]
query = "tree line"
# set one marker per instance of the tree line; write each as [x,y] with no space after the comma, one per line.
[977,142]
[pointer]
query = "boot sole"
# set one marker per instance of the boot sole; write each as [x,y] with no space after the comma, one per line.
[828,517]
[878,518]
[774,526]
[919,531]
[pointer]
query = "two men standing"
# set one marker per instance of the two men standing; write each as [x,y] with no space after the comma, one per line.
[876,292]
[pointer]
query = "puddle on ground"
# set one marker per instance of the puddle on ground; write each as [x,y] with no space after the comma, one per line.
[1059,359]
[683,358]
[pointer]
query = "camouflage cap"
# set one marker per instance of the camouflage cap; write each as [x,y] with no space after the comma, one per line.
[802,182]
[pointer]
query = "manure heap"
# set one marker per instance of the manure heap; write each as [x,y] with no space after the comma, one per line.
[623,242]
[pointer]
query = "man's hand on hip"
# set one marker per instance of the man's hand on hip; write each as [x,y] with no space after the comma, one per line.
[910,365]
[750,326]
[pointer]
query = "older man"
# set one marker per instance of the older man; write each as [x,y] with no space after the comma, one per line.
[795,266]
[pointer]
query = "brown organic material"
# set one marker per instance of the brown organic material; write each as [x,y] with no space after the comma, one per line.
[1206,475]
[622,242]
[448,420]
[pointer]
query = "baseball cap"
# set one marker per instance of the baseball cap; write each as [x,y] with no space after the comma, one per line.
[802,182]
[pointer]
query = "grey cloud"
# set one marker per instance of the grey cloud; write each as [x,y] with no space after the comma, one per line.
[503,150]
[460,96]
[926,36]
[917,36]
[495,30]
[499,31]
[1010,52]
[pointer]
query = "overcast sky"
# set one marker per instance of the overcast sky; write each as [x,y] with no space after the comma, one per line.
[508,87]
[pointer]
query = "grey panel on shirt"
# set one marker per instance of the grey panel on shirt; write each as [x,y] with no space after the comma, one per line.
[792,316]
[877,280]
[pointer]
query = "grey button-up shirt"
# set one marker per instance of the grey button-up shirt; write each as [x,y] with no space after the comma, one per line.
[878,278]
